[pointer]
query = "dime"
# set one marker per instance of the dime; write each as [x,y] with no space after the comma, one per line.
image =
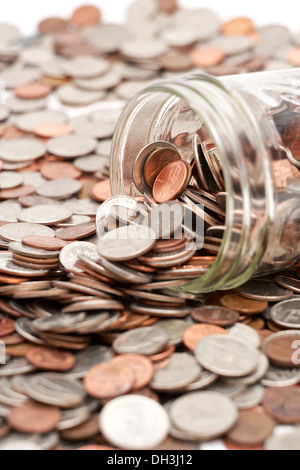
[226,356]
[180,371]
[71,146]
[21,150]
[142,423]
[60,189]
[34,418]
[207,415]
[287,314]
[45,214]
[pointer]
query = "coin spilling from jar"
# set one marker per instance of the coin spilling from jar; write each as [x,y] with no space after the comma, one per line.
[101,347]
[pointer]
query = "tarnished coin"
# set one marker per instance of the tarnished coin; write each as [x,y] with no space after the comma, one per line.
[60,189]
[126,243]
[21,150]
[146,341]
[141,423]
[252,428]
[264,290]
[289,283]
[243,305]
[71,146]
[16,232]
[283,404]
[207,415]
[215,315]
[226,356]
[180,371]
[281,348]
[287,314]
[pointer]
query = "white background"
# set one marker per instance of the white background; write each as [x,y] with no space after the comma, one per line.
[27,13]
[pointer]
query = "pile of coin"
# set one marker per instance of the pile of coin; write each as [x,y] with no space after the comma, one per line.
[102,348]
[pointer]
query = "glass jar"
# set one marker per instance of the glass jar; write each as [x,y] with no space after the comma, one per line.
[254,122]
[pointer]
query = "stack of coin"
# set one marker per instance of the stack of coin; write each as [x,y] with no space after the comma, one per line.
[97,323]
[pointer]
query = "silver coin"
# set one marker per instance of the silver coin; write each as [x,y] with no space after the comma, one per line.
[105,82]
[74,96]
[264,290]
[4,112]
[290,440]
[71,253]
[73,418]
[29,121]
[181,370]
[205,414]
[206,379]
[15,367]
[286,314]
[15,232]
[91,163]
[142,423]
[106,38]
[8,267]
[9,211]
[289,283]
[128,90]
[9,179]
[60,189]
[24,250]
[174,328]
[124,274]
[250,398]
[245,333]
[20,106]
[17,75]
[45,214]
[18,442]
[71,146]
[36,55]
[180,312]
[97,304]
[25,328]
[131,72]
[201,20]
[107,113]
[74,220]
[227,388]
[146,341]
[144,49]
[21,150]
[94,129]
[126,243]
[233,45]
[9,33]
[226,356]
[280,377]
[82,206]
[57,322]
[55,389]
[85,67]
[260,372]
[33,178]
[104,148]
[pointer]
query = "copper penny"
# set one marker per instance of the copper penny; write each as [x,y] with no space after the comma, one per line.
[33,91]
[7,326]
[163,355]
[84,431]
[208,56]
[238,26]
[52,25]
[109,380]
[283,404]
[243,305]
[51,359]
[279,348]
[196,333]
[233,446]
[95,447]
[215,315]
[16,193]
[141,367]
[157,161]
[171,182]
[4,429]
[76,232]
[86,16]
[251,429]
[101,191]
[60,170]
[19,350]
[52,129]
[291,137]
[34,418]
[12,340]
[44,243]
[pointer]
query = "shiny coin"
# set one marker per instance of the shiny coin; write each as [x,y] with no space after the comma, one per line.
[141,367]
[207,415]
[29,121]
[60,189]
[226,356]
[51,359]
[142,423]
[10,180]
[71,146]
[108,380]
[126,243]
[245,333]
[258,374]
[34,418]
[146,341]
[243,305]
[196,333]
[45,215]
[76,232]
[16,232]
[287,314]
[44,243]
[21,150]
[171,182]
[90,164]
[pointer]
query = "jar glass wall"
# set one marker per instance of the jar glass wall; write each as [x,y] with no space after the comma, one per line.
[252,123]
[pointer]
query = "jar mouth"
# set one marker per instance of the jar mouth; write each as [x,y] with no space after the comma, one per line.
[231,126]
